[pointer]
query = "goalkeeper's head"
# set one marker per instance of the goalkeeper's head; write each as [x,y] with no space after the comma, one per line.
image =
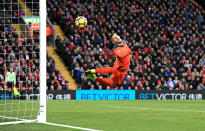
[115,39]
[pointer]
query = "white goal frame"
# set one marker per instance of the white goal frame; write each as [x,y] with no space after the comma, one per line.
[41,118]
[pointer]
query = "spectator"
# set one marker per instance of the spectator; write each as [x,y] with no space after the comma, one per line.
[10,79]
[170,84]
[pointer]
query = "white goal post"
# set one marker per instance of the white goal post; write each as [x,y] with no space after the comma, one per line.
[42,111]
[11,109]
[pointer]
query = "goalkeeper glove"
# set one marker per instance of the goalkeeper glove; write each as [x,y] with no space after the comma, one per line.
[136,46]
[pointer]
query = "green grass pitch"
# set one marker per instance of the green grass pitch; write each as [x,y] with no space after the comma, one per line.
[148,115]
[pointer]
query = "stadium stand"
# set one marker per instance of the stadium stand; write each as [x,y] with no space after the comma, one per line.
[33,6]
[200,3]
[22,54]
[27,65]
[171,30]
[55,80]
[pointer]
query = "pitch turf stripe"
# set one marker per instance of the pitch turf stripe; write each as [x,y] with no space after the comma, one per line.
[74,127]
[157,109]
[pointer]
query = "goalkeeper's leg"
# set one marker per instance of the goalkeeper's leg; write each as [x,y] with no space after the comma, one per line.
[112,81]
[104,81]
[105,70]
[90,74]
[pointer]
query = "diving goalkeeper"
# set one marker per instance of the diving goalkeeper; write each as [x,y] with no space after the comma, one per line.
[122,63]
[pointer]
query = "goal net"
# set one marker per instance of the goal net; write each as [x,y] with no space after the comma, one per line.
[20,62]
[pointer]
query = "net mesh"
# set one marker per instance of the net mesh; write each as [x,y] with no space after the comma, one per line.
[19,59]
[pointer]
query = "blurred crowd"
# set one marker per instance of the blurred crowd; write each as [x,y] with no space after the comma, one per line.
[55,80]
[172,31]
[22,54]
[34,6]
[201,2]
[11,11]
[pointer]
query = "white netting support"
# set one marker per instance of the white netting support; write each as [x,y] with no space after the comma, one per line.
[20,52]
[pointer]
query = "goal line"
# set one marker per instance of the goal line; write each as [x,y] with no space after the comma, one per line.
[16,122]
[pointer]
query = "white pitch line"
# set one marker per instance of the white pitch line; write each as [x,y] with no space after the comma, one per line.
[157,109]
[13,118]
[74,127]
[18,122]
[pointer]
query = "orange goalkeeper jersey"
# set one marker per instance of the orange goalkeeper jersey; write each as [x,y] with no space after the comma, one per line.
[122,53]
